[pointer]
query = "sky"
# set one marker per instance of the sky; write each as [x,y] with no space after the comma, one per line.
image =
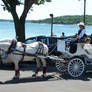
[57,7]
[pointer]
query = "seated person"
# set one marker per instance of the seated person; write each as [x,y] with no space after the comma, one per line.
[81,36]
[88,46]
[88,41]
[81,32]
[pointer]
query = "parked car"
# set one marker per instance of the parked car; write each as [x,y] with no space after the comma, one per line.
[51,42]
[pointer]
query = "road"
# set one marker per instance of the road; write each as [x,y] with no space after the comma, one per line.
[54,82]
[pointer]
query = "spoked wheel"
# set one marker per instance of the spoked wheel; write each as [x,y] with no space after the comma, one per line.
[76,67]
[61,66]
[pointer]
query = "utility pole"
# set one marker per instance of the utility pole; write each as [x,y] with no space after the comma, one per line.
[84,20]
[51,15]
[84,15]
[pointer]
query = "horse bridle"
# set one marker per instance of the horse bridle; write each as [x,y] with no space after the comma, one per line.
[4,54]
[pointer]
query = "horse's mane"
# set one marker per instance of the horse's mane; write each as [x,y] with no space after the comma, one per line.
[6,40]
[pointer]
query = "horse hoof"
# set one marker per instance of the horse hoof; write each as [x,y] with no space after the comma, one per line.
[34,75]
[44,75]
[15,78]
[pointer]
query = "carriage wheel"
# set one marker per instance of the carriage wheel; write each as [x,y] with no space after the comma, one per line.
[61,67]
[76,67]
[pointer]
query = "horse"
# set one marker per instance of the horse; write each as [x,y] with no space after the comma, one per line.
[12,51]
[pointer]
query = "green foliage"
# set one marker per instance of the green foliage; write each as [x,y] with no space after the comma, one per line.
[19,22]
[8,4]
[67,19]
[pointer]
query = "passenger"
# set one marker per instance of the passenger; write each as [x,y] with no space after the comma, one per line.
[88,41]
[88,46]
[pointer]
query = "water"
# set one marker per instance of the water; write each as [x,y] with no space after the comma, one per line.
[7,29]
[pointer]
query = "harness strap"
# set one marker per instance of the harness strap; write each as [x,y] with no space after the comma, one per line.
[40,48]
[24,46]
[12,46]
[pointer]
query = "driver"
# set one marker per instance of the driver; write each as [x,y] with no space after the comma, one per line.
[81,36]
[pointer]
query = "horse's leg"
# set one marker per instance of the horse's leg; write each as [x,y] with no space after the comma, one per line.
[17,71]
[44,67]
[37,67]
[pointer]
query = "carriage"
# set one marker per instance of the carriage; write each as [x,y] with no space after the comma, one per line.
[74,62]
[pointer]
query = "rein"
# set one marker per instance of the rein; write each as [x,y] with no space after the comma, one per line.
[24,46]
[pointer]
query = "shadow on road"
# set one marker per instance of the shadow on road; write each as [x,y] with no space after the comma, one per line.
[85,77]
[53,77]
[29,67]
[50,69]
[29,79]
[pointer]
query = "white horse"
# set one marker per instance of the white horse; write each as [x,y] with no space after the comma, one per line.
[12,52]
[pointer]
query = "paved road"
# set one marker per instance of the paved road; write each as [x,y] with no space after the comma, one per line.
[54,82]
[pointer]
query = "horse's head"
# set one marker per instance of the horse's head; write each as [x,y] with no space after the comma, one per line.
[5,46]
[3,49]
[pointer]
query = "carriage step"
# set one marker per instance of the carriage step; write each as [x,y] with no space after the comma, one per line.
[89,63]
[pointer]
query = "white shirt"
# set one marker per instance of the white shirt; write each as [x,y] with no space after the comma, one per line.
[82,33]
[88,48]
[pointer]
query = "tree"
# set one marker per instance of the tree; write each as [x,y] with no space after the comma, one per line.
[19,22]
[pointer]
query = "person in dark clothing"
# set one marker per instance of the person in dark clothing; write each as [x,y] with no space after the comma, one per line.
[81,36]
[81,33]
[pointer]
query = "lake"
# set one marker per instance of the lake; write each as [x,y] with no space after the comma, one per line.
[34,29]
